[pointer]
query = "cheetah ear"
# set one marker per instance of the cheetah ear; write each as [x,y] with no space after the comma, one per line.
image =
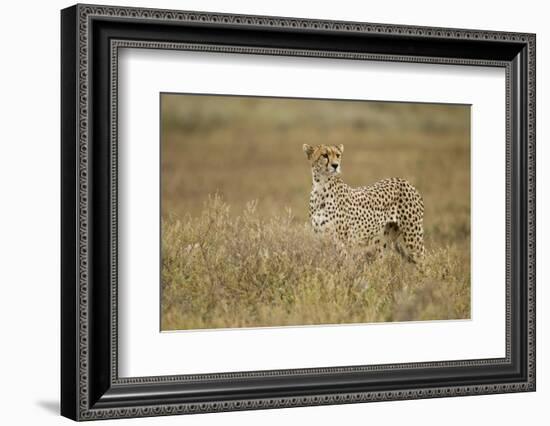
[308,149]
[341,148]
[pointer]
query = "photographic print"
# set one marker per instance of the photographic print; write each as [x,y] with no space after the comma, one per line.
[293,212]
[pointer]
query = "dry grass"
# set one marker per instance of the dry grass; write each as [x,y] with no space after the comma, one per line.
[228,264]
[221,270]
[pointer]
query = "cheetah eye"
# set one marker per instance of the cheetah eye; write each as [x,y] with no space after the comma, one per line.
[337,155]
[325,155]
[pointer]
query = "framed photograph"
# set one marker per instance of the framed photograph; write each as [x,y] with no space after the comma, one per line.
[263,212]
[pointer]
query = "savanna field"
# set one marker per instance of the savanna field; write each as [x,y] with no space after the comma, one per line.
[237,248]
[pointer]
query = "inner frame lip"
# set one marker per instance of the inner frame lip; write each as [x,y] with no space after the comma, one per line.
[116,45]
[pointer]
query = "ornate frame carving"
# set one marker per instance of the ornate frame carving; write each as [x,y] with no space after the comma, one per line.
[85,396]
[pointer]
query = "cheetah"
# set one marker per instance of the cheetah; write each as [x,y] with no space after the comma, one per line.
[376,216]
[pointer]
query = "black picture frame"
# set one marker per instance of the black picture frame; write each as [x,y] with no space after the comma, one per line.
[90,386]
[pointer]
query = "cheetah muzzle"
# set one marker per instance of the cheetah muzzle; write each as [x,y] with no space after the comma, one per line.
[386,214]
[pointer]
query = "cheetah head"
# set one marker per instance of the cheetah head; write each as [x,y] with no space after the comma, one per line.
[325,159]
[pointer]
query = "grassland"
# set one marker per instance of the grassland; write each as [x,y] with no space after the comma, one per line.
[247,258]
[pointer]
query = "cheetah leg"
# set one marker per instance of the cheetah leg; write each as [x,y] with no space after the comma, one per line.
[413,235]
[377,245]
[377,249]
[401,250]
[341,244]
[391,234]
[341,247]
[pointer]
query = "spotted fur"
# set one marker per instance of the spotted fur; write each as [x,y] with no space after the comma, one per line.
[386,214]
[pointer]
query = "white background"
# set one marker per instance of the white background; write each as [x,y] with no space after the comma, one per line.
[29,229]
[146,352]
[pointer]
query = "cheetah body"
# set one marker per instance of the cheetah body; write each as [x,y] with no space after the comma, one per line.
[381,215]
